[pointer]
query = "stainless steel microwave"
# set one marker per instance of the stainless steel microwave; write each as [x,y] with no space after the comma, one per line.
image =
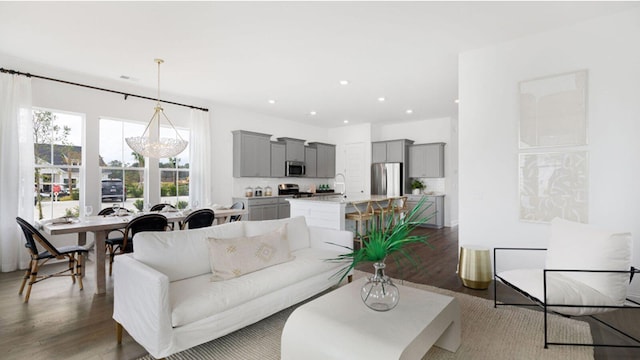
[294,168]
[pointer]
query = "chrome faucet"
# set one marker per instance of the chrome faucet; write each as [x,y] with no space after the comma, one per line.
[336,183]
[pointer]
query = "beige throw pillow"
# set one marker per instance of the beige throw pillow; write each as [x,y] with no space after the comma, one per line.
[235,257]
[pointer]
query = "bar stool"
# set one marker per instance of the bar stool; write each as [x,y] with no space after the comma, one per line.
[382,211]
[361,218]
[400,208]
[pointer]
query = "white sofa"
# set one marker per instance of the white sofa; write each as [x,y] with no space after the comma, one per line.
[164,299]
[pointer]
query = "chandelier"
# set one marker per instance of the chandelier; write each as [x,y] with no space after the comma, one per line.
[157,147]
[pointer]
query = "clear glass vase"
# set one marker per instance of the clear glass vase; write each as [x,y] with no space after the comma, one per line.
[379,293]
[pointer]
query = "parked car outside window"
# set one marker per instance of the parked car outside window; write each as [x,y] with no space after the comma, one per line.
[113,190]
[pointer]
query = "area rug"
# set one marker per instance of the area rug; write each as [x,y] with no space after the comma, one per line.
[487,333]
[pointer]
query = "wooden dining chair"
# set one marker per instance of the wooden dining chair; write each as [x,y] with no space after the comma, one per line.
[72,253]
[148,222]
[198,219]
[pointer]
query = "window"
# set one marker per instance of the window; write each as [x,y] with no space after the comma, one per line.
[57,138]
[174,174]
[123,170]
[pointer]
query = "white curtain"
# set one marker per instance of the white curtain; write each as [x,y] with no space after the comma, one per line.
[200,164]
[16,168]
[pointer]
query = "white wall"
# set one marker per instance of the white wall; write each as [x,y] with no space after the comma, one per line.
[607,48]
[430,131]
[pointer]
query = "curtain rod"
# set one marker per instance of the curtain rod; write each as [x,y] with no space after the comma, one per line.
[14,72]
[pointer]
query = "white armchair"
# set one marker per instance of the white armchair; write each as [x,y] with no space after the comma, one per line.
[587,271]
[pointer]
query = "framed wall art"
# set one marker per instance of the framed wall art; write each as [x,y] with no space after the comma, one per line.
[554,184]
[553,111]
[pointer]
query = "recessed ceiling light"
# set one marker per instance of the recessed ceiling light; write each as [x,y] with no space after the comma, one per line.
[381,99]
[346,121]
[312,113]
[344,82]
[409,111]
[272,101]
[457,101]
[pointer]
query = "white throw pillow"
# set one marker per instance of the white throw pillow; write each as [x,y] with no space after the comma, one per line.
[297,230]
[580,246]
[230,258]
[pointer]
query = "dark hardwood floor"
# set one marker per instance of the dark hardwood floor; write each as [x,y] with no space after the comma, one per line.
[61,322]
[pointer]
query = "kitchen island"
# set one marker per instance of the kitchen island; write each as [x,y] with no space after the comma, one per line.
[328,211]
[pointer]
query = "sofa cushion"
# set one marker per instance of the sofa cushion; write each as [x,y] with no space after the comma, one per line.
[580,246]
[197,298]
[181,254]
[297,231]
[239,256]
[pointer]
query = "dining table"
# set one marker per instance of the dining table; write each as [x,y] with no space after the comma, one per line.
[101,225]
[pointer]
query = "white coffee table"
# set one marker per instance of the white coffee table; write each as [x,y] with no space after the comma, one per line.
[339,326]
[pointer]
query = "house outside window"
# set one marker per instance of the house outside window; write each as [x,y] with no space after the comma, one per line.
[58,163]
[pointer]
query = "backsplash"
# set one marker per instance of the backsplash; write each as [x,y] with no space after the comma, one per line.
[435,185]
[239,184]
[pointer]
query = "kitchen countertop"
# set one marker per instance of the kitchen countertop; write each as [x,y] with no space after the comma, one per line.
[426,194]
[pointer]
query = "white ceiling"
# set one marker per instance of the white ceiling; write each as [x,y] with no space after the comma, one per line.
[245,53]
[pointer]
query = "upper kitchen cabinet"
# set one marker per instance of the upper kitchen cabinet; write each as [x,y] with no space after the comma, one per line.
[277,159]
[390,151]
[251,154]
[310,161]
[325,160]
[294,149]
[426,160]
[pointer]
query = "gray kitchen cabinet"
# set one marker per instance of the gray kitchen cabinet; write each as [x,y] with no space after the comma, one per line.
[277,159]
[390,151]
[251,154]
[284,208]
[426,160]
[326,160]
[310,161]
[379,152]
[434,210]
[265,208]
[294,149]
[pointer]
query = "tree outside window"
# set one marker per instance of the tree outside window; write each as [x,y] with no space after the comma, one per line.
[58,163]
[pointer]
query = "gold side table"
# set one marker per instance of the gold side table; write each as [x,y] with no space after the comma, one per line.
[474,267]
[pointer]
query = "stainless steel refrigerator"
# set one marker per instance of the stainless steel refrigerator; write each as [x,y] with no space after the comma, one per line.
[387,179]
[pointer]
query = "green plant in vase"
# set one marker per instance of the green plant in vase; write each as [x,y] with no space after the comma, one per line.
[417,186]
[380,243]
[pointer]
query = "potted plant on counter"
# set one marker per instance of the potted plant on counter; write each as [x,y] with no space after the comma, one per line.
[417,186]
[380,243]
